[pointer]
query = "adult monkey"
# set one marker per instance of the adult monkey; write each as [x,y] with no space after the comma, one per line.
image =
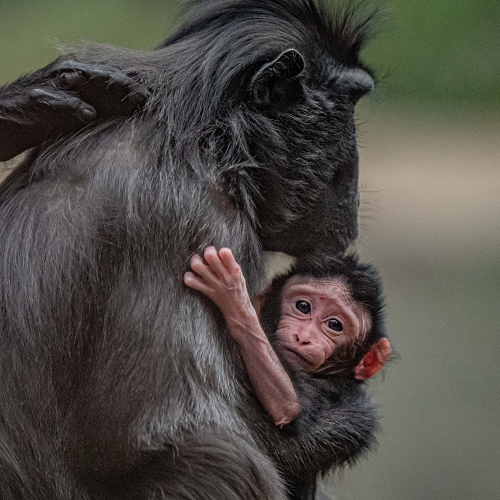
[118,381]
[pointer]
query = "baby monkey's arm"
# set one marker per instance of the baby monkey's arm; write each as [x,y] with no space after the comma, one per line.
[222,281]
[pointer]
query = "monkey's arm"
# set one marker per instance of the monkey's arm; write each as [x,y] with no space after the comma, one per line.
[60,99]
[270,381]
[222,281]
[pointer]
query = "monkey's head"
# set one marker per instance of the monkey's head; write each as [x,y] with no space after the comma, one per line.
[309,188]
[276,84]
[326,317]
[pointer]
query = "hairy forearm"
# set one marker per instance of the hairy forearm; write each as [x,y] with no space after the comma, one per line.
[271,383]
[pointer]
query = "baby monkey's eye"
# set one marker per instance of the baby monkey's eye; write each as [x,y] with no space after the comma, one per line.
[335,325]
[303,306]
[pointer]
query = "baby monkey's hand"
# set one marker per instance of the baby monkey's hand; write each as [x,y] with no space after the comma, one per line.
[222,281]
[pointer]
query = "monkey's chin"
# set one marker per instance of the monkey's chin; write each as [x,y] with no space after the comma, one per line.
[297,359]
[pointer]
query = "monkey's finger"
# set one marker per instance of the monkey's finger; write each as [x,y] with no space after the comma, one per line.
[78,76]
[197,283]
[73,79]
[83,111]
[201,269]
[122,84]
[191,280]
[136,95]
[63,103]
[227,258]
[131,90]
[212,257]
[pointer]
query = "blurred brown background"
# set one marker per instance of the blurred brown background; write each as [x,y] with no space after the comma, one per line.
[430,161]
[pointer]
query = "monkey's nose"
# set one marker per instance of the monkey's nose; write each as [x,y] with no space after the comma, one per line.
[303,336]
[358,83]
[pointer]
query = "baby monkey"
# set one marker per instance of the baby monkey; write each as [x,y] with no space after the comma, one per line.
[324,318]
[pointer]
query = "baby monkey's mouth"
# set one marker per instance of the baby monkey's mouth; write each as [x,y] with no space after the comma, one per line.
[303,361]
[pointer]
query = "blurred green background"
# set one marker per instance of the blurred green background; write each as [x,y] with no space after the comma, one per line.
[430,161]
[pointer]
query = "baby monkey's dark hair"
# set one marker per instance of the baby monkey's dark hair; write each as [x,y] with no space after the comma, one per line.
[365,286]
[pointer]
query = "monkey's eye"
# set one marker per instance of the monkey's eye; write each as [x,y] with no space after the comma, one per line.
[335,325]
[303,306]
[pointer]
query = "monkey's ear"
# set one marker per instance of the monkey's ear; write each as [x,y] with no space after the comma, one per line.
[373,360]
[275,81]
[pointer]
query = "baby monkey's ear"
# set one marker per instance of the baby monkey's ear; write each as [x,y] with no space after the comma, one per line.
[373,360]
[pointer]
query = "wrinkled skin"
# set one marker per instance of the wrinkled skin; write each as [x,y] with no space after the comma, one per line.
[317,317]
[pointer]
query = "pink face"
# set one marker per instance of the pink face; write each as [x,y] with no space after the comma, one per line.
[318,316]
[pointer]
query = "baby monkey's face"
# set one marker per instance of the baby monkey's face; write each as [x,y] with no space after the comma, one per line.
[318,316]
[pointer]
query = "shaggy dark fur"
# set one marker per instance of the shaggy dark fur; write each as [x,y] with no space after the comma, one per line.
[117,380]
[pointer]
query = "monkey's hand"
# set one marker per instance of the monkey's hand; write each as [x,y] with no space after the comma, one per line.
[59,100]
[222,281]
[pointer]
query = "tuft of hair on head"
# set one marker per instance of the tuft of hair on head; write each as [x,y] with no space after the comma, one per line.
[255,32]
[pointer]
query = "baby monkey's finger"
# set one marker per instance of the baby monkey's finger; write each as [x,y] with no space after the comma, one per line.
[227,258]
[201,269]
[196,283]
[213,260]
